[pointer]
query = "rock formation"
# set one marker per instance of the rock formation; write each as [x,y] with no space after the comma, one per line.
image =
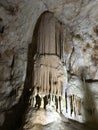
[71,33]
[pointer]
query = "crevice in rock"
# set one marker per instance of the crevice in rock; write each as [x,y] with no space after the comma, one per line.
[1,26]
[91,80]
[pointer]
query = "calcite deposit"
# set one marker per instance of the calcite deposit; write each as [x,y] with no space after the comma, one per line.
[77,57]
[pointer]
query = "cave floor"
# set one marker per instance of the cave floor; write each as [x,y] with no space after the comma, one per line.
[50,120]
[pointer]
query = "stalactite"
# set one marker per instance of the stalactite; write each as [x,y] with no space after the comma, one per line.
[74,106]
[51,81]
[45,81]
[42,80]
[42,77]
[54,85]
[59,88]
[47,61]
[78,105]
[37,76]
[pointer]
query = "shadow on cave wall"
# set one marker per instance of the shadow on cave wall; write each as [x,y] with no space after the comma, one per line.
[14,116]
[90,110]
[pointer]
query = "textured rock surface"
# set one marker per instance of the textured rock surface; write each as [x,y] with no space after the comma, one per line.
[80,20]
[50,120]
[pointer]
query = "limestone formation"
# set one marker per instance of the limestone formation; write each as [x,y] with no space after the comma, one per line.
[53,45]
